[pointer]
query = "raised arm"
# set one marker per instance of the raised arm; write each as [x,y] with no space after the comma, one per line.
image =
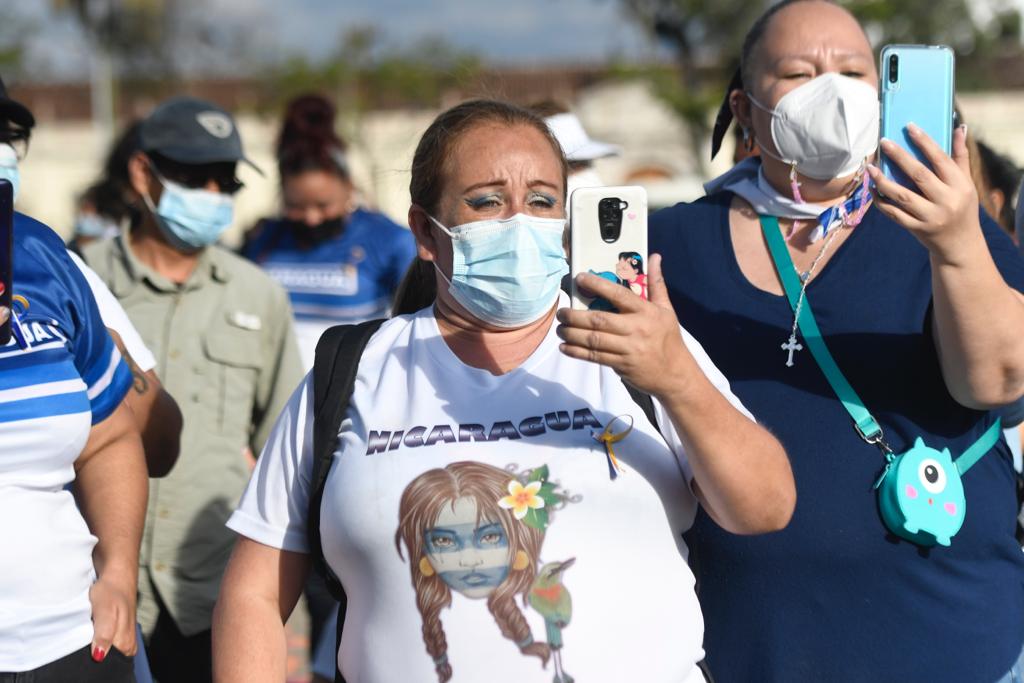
[111,489]
[741,474]
[260,588]
[978,319]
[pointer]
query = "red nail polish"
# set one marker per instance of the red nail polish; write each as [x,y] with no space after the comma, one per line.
[98,654]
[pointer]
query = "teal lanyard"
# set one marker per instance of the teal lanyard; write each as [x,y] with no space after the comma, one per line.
[867,426]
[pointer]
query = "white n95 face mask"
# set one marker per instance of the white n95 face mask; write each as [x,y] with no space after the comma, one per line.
[825,128]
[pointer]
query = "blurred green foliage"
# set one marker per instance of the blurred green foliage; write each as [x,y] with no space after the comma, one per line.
[365,72]
[138,34]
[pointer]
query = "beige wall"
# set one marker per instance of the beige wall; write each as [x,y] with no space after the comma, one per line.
[64,158]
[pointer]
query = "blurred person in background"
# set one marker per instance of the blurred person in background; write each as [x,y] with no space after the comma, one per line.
[338,261]
[997,179]
[918,297]
[221,331]
[72,478]
[106,208]
[581,151]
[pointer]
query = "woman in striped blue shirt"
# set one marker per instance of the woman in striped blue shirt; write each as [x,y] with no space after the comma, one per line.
[72,478]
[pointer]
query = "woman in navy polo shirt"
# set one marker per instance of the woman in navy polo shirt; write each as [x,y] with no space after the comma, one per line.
[912,299]
[339,262]
[72,478]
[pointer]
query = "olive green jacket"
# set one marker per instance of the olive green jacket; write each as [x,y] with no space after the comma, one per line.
[226,351]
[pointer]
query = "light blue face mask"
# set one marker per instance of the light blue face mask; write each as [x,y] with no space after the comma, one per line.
[191,218]
[9,167]
[94,225]
[507,272]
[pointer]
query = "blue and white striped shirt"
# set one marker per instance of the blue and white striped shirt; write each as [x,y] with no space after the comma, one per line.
[59,375]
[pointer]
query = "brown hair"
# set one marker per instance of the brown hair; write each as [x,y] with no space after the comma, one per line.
[420,505]
[308,141]
[429,173]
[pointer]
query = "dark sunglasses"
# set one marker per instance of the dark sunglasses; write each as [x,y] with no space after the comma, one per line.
[199,176]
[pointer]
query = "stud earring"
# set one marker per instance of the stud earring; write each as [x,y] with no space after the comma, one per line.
[425,567]
[748,140]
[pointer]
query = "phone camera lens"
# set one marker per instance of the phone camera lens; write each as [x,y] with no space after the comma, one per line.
[609,215]
[894,68]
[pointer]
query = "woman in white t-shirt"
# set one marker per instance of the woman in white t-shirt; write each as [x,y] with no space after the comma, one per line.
[499,507]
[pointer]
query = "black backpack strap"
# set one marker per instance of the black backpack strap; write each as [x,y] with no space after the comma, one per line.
[334,376]
[646,403]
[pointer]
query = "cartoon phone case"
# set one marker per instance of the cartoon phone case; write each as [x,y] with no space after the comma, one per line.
[608,238]
[6,249]
[917,86]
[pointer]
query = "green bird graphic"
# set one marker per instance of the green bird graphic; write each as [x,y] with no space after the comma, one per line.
[552,600]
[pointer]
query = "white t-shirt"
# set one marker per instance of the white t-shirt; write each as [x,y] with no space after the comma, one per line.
[115,318]
[467,468]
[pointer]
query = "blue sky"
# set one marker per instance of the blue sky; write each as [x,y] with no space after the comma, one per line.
[505,30]
[502,31]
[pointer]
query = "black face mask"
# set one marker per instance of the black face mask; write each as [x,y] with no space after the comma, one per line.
[312,235]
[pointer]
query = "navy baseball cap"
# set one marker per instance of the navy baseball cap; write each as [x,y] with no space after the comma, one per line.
[12,110]
[192,131]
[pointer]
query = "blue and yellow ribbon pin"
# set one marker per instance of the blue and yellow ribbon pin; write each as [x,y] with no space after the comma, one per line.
[609,437]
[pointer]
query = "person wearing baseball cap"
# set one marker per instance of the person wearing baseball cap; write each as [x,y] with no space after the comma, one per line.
[222,332]
[581,151]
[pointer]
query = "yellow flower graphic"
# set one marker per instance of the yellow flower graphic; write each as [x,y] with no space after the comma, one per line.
[521,499]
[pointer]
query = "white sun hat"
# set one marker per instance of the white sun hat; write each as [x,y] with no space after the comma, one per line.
[577,145]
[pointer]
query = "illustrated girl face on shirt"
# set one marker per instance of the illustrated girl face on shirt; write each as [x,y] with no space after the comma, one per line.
[470,556]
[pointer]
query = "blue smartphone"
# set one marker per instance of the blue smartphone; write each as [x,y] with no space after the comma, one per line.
[916,87]
[6,249]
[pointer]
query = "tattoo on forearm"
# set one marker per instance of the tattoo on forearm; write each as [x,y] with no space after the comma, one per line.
[139,381]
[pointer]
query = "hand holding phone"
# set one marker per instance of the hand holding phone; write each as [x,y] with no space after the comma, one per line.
[608,238]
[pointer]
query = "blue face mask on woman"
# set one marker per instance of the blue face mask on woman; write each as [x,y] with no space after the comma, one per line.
[191,218]
[507,272]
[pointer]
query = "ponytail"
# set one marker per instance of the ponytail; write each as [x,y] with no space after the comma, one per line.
[417,290]
[308,141]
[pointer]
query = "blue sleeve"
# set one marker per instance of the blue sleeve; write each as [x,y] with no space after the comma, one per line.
[99,363]
[255,241]
[1012,414]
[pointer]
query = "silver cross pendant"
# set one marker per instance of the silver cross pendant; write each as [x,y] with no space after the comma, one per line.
[792,346]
